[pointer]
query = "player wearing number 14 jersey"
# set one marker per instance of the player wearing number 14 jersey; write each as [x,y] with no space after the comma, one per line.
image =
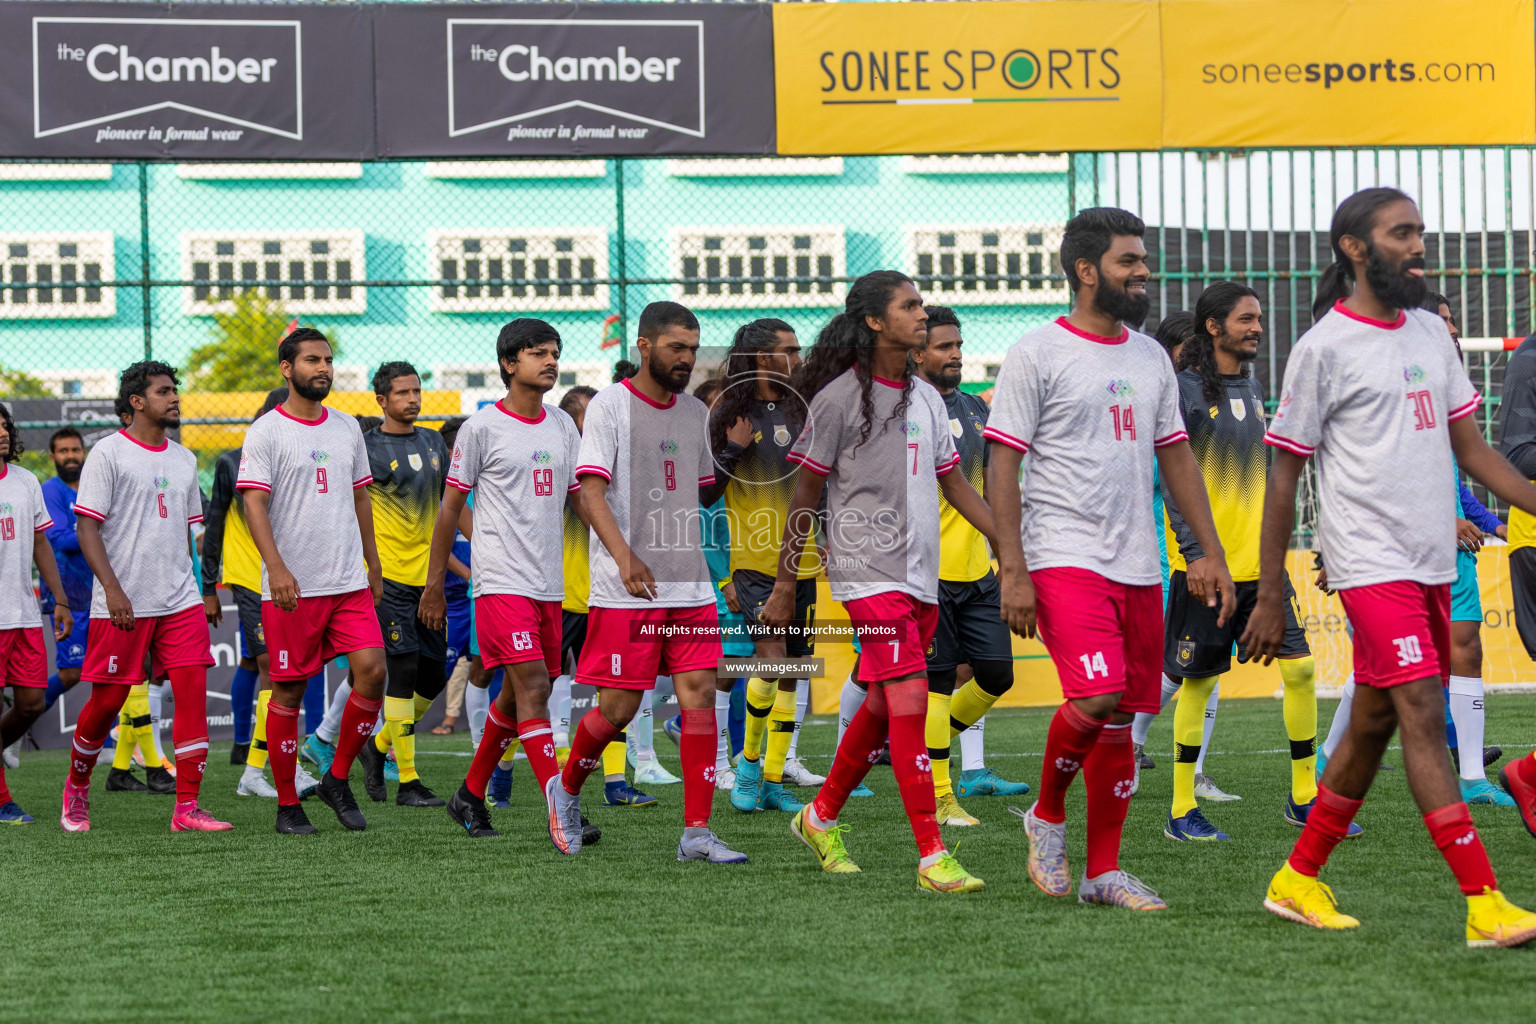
[138,493]
[304,474]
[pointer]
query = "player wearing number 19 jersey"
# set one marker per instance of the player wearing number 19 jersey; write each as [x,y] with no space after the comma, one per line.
[1092,403]
[303,474]
[138,493]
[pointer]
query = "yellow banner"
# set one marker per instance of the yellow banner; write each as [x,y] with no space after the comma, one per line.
[1035,683]
[1359,73]
[1047,75]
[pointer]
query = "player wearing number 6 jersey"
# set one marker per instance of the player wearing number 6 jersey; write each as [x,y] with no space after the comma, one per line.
[1093,403]
[519,457]
[1376,393]
[138,493]
[303,475]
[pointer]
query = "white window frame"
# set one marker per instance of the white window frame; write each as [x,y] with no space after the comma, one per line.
[475,170]
[346,243]
[834,237]
[270,172]
[757,167]
[590,243]
[988,163]
[100,248]
[968,241]
[55,172]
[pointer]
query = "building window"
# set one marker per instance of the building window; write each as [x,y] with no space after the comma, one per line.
[495,270]
[476,169]
[757,167]
[772,266]
[987,265]
[56,275]
[988,163]
[300,271]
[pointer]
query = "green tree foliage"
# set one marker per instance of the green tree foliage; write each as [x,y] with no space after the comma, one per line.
[243,353]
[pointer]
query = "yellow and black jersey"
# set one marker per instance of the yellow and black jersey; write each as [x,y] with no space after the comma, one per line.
[963,555]
[758,491]
[1227,437]
[578,574]
[229,553]
[409,471]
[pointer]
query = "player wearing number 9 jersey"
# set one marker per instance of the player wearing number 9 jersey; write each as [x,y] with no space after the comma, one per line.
[304,474]
[1376,394]
[1092,403]
[138,493]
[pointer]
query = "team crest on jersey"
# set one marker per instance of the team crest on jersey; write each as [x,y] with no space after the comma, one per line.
[6,508]
[434,460]
[913,429]
[1413,374]
[1121,388]
[542,458]
[161,483]
[956,428]
[1186,651]
[414,458]
[781,435]
[1239,409]
[320,456]
[669,447]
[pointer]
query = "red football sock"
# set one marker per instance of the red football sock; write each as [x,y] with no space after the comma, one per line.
[499,733]
[5,790]
[1072,735]
[907,700]
[697,748]
[1327,825]
[357,720]
[283,750]
[91,728]
[861,745]
[593,733]
[1458,842]
[1107,773]
[538,741]
[189,729]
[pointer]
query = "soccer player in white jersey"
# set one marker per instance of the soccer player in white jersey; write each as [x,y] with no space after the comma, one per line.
[305,475]
[1094,404]
[1376,393]
[519,457]
[24,521]
[644,458]
[877,440]
[138,493]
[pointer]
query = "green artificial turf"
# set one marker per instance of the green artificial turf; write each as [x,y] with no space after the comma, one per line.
[413,921]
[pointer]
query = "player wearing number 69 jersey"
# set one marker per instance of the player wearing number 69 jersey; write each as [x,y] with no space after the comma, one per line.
[1093,403]
[138,493]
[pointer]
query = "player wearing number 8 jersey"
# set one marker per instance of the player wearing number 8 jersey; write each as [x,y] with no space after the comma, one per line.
[519,457]
[138,493]
[1375,392]
[304,474]
[1092,402]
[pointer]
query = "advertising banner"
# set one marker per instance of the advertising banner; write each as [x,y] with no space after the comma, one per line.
[967,77]
[534,79]
[1366,73]
[215,81]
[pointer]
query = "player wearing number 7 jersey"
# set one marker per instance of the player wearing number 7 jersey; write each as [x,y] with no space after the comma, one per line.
[304,475]
[1092,403]
[138,493]
[519,457]
[1376,393]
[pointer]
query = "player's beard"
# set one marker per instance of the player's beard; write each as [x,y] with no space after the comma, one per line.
[1393,284]
[69,472]
[949,377]
[310,391]
[1238,348]
[674,381]
[1113,300]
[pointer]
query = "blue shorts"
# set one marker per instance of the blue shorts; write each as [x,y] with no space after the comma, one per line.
[1466,603]
[459,626]
[474,645]
[735,642]
[70,653]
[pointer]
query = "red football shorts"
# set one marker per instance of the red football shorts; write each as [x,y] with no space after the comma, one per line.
[22,659]
[1402,631]
[1103,636]
[511,630]
[300,642]
[172,641]
[622,653]
[894,631]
